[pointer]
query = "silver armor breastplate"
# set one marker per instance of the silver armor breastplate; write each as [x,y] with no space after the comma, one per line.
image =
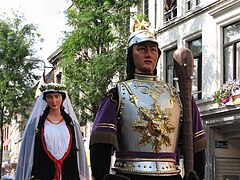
[149,116]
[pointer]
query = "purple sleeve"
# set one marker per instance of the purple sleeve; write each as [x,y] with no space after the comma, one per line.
[104,127]
[199,138]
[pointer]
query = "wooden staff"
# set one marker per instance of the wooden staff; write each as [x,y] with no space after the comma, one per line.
[183,65]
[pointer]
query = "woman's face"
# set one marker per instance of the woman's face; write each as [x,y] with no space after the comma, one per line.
[54,100]
[145,56]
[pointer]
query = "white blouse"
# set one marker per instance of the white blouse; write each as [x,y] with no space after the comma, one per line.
[57,138]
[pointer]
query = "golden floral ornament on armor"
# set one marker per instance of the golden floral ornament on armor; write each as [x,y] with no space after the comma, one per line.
[154,91]
[154,127]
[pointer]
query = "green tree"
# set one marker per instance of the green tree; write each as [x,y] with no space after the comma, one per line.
[94,51]
[17,78]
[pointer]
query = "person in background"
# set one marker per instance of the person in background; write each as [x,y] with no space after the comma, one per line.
[140,120]
[52,145]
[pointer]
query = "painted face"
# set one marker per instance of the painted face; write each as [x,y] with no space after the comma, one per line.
[145,56]
[54,100]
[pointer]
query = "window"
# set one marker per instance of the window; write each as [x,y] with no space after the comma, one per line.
[5,148]
[231,50]
[197,2]
[170,74]
[59,77]
[5,133]
[146,7]
[196,47]
[170,9]
[190,4]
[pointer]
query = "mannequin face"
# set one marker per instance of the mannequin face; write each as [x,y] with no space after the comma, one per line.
[145,56]
[54,100]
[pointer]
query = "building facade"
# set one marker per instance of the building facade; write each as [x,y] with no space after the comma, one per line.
[211,30]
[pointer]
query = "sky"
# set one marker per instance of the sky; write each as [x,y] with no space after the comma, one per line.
[47,15]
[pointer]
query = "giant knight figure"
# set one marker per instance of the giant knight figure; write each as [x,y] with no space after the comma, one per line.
[140,121]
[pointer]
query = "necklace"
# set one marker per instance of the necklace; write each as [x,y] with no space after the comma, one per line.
[55,122]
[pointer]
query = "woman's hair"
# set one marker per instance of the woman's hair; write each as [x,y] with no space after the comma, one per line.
[43,117]
[48,92]
[65,116]
[131,66]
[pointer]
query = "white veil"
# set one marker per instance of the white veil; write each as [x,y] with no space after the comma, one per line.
[25,159]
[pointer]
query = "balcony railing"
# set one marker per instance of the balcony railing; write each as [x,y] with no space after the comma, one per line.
[170,14]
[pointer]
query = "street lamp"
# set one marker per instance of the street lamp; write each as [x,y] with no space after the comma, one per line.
[42,79]
[37,60]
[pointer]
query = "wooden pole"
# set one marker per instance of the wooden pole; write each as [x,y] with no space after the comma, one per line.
[183,65]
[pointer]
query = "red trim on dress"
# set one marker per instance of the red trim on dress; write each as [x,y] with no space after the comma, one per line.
[55,122]
[57,163]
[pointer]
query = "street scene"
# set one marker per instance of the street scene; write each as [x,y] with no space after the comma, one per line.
[111,90]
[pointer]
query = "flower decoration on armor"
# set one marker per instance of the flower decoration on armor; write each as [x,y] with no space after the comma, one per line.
[225,95]
[154,126]
[55,86]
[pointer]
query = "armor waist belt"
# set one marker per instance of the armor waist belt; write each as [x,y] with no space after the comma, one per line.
[148,168]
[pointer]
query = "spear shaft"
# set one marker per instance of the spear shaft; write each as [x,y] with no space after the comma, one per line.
[183,65]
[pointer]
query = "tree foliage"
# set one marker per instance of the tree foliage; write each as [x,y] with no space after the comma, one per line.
[94,52]
[16,72]
[16,76]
